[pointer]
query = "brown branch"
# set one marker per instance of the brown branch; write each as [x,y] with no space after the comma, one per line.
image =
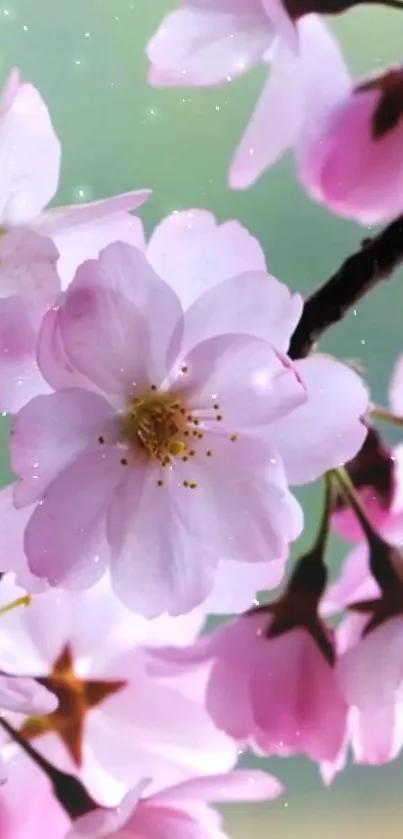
[359,274]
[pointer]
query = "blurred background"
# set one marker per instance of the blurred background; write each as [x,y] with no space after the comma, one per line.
[87,58]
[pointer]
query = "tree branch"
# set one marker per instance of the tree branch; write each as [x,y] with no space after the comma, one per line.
[359,274]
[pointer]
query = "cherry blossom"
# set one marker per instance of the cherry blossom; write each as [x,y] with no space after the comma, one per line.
[353,162]
[377,473]
[180,810]
[278,695]
[369,668]
[148,414]
[114,719]
[36,261]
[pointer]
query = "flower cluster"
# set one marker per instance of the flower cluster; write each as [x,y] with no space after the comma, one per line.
[160,421]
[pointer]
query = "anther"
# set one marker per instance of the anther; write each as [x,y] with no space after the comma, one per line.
[192,453]
[101,439]
[160,483]
[193,485]
[216,407]
[185,459]
[209,453]
[124,461]
[200,435]
[154,387]
[176,447]
[184,368]
[219,417]
[233,438]
[186,483]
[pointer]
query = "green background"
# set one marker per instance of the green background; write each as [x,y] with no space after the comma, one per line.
[87,58]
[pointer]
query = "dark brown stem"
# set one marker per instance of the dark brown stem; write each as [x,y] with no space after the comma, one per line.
[359,274]
[69,791]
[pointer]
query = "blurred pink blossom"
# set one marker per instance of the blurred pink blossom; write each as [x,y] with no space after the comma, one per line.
[369,667]
[115,719]
[36,260]
[180,811]
[353,162]
[278,695]
[379,469]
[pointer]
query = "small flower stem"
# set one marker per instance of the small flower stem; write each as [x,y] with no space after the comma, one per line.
[323,533]
[381,553]
[342,477]
[69,791]
[310,572]
[384,415]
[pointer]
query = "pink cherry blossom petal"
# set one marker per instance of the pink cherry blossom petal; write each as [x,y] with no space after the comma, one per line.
[371,672]
[154,728]
[321,92]
[271,517]
[377,734]
[28,265]
[65,537]
[295,698]
[82,230]
[155,570]
[239,785]
[104,823]
[236,584]
[250,381]
[284,24]
[252,303]
[20,377]
[29,155]
[117,364]
[120,297]
[235,649]
[12,83]
[12,526]
[193,253]
[360,184]
[60,219]
[200,46]
[297,78]
[49,433]
[54,364]
[336,395]
[27,821]
[25,696]
[275,122]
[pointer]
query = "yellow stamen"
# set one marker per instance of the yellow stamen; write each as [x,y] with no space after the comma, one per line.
[20,601]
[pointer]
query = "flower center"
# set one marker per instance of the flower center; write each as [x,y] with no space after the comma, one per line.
[162,427]
[157,424]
